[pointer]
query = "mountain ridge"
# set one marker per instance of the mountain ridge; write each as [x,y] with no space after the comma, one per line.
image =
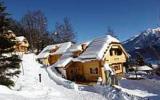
[146,43]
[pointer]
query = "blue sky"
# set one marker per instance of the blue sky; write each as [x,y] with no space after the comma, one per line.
[90,18]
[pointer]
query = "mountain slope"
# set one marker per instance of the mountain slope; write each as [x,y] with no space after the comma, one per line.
[147,43]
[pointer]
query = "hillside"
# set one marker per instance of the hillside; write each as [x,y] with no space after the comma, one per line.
[147,43]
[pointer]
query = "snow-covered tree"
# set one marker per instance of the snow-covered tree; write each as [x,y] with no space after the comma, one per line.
[9,63]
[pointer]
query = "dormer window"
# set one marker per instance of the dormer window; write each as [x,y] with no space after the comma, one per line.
[118,52]
[115,50]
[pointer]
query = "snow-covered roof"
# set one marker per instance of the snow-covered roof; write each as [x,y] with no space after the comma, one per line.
[97,47]
[62,48]
[46,51]
[144,68]
[67,57]
[86,42]
[20,38]
[75,47]
[63,62]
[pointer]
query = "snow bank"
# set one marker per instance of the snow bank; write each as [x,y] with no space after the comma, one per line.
[61,81]
[4,90]
[136,92]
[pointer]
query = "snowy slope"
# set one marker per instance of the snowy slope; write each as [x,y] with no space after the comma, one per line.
[28,86]
[147,43]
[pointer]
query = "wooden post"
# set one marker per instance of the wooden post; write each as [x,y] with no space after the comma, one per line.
[40,78]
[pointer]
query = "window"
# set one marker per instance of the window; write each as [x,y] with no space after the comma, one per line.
[115,51]
[116,67]
[118,51]
[94,70]
[111,53]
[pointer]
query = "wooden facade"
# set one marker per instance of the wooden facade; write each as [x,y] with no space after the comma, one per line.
[54,58]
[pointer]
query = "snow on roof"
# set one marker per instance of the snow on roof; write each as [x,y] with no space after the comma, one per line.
[20,38]
[97,47]
[144,68]
[46,51]
[62,48]
[75,47]
[155,66]
[87,42]
[66,57]
[63,62]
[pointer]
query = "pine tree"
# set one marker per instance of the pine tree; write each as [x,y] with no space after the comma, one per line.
[9,62]
[140,60]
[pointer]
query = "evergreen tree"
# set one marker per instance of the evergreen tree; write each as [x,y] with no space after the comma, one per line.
[9,62]
[140,60]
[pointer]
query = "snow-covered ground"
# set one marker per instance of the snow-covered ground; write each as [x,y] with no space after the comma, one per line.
[149,88]
[28,86]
